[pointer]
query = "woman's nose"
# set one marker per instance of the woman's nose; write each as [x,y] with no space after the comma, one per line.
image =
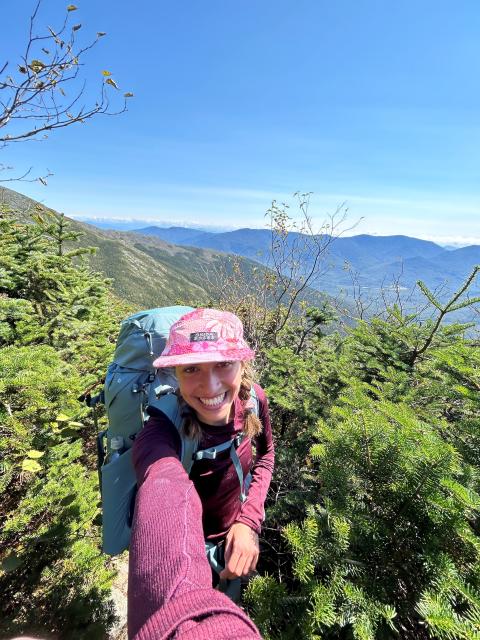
[211,382]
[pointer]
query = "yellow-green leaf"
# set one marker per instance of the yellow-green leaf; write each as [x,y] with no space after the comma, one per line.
[34,454]
[129,94]
[317,451]
[111,82]
[106,73]
[71,7]
[62,418]
[36,65]
[31,466]
[74,424]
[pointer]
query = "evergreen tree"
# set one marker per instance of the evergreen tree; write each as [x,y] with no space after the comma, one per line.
[57,326]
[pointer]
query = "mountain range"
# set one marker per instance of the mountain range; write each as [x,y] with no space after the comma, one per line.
[372,262]
[155,266]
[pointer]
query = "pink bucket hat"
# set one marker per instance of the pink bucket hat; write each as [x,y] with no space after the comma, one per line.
[204,335]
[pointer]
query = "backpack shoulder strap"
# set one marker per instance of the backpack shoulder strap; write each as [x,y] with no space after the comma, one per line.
[168,404]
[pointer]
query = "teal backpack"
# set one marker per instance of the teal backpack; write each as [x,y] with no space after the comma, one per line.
[131,385]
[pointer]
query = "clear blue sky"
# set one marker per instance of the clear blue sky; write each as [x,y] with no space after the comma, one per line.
[237,102]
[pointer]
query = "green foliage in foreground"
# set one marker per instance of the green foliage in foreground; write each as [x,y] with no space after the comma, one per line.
[57,324]
[381,540]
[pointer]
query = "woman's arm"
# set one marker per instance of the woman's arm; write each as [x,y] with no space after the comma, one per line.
[241,542]
[169,589]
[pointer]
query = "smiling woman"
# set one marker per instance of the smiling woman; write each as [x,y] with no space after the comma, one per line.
[221,405]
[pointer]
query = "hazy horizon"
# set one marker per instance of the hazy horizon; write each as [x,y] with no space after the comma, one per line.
[139,223]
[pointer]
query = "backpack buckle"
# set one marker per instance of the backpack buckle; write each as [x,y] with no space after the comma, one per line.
[139,388]
[209,454]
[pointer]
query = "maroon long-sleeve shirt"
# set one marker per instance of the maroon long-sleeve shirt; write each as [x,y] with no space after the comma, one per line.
[216,481]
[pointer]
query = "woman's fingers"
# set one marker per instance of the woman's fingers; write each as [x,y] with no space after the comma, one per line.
[239,565]
[232,560]
[253,564]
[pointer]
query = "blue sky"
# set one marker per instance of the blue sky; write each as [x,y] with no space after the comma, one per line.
[373,103]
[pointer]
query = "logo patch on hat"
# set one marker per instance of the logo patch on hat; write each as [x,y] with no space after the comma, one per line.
[204,336]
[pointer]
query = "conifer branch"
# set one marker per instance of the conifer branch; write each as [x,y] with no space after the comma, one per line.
[448,308]
[428,294]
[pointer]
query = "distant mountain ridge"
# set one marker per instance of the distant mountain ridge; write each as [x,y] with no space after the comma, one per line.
[130,224]
[375,261]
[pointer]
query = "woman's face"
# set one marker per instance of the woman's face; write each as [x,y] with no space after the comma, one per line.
[210,389]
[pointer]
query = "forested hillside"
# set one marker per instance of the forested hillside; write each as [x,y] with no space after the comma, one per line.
[372,524]
[145,271]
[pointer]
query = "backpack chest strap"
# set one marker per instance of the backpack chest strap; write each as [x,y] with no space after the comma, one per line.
[211,452]
[231,446]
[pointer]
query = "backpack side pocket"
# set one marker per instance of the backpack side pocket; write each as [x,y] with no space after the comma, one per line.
[118,492]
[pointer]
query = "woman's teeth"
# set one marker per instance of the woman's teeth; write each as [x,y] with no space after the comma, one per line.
[213,402]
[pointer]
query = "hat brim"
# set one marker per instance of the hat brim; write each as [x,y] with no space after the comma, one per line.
[198,358]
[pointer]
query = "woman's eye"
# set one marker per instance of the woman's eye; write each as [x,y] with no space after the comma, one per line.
[189,369]
[225,364]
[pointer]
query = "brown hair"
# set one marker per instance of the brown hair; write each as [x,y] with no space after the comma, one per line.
[252,426]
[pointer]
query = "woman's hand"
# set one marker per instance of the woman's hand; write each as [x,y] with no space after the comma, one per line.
[241,551]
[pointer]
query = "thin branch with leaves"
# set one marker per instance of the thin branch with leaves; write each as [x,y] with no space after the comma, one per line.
[45,91]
